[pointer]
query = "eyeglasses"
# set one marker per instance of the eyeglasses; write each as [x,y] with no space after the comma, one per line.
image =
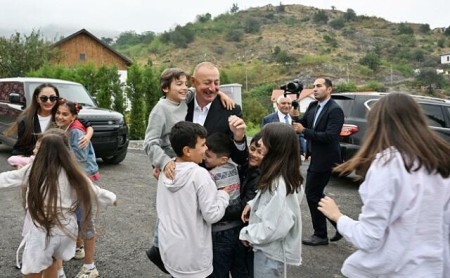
[46,98]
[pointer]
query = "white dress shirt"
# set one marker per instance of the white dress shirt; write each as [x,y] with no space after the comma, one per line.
[200,113]
[281,117]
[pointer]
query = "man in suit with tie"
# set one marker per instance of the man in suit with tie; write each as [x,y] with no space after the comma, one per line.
[282,113]
[207,110]
[321,125]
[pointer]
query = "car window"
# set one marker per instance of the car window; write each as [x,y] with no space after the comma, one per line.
[434,114]
[346,105]
[71,92]
[6,88]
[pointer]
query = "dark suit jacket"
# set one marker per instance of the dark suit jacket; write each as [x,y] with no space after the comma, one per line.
[271,118]
[217,121]
[324,137]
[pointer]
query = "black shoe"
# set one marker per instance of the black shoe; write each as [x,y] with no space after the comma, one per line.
[337,237]
[315,241]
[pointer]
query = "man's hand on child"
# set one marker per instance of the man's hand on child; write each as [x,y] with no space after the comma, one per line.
[169,170]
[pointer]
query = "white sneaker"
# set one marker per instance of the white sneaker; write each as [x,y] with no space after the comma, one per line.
[79,253]
[61,273]
[87,273]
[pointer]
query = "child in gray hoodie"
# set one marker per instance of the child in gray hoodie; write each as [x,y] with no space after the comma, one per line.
[188,205]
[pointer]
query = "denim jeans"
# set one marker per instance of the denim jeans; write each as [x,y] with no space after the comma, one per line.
[229,255]
[265,267]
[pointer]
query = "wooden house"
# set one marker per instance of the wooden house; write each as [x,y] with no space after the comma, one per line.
[84,47]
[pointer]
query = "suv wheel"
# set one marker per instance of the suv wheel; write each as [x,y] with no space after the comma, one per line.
[115,159]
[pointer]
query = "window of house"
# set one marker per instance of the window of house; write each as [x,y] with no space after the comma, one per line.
[82,57]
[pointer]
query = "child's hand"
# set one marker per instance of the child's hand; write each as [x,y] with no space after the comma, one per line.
[83,143]
[246,213]
[169,170]
[245,243]
[156,172]
[329,208]
[227,189]
[227,102]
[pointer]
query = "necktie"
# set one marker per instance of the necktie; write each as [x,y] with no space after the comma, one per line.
[316,115]
[286,119]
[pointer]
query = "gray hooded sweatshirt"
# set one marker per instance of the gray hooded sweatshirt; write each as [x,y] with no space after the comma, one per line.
[186,209]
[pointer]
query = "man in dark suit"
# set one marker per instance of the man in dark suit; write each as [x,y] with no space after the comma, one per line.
[229,255]
[321,125]
[207,110]
[282,113]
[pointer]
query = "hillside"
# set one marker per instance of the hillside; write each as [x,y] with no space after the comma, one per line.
[273,44]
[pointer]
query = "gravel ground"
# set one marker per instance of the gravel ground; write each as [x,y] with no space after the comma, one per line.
[126,230]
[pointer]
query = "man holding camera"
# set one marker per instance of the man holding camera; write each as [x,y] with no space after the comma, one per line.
[321,125]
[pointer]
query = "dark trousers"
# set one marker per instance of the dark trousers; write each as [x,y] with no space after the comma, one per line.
[229,255]
[315,185]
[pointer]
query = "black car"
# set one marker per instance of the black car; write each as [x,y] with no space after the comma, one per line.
[110,139]
[357,105]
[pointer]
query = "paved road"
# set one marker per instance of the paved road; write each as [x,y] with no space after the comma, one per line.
[126,229]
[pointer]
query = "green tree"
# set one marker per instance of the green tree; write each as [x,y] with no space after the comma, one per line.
[403,28]
[320,17]
[425,28]
[234,35]
[136,94]
[234,8]
[371,60]
[337,23]
[204,18]
[280,8]
[151,89]
[447,31]
[252,25]
[350,15]
[108,41]
[22,54]
[430,78]
[253,110]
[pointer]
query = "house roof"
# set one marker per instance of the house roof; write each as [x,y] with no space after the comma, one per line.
[304,94]
[84,31]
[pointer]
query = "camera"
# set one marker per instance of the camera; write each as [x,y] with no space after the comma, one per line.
[293,87]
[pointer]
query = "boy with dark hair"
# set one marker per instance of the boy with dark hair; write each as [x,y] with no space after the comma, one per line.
[228,252]
[188,205]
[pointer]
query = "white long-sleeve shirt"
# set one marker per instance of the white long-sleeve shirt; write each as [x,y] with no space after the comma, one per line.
[67,196]
[403,229]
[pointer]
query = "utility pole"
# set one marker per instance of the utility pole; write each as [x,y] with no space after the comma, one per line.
[348,75]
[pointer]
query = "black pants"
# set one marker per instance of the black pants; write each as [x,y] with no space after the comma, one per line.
[315,185]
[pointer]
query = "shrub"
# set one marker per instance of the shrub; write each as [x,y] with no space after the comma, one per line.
[337,23]
[252,25]
[320,17]
[234,35]
[345,87]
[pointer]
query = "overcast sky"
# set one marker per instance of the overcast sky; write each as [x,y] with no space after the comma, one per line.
[161,15]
